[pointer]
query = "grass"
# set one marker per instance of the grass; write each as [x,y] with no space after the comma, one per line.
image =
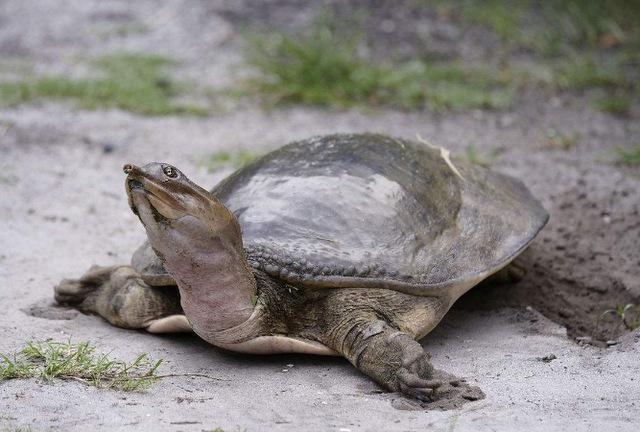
[472,155]
[323,67]
[128,81]
[581,72]
[629,156]
[584,44]
[553,27]
[63,360]
[8,180]
[558,140]
[491,13]
[614,104]
[221,159]
[627,315]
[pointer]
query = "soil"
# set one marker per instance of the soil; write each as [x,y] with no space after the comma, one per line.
[63,209]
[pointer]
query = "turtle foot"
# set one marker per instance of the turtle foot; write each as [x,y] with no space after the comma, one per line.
[120,296]
[415,377]
[75,291]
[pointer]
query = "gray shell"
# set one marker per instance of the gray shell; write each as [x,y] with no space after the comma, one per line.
[374,211]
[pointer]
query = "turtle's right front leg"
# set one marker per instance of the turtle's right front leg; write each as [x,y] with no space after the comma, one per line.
[390,357]
[120,296]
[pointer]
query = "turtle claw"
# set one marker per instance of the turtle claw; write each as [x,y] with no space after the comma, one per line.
[70,291]
[415,376]
[412,385]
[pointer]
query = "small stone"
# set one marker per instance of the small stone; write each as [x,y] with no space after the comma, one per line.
[108,148]
[583,340]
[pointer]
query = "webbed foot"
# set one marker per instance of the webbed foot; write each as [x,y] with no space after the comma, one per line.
[391,358]
[415,376]
[75,292]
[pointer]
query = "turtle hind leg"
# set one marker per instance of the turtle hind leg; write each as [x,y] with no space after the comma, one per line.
[120,296]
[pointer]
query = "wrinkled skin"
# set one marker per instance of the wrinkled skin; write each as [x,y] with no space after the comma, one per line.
[235,306]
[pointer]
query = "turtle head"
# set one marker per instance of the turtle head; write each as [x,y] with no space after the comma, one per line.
[175,211]
[199,242]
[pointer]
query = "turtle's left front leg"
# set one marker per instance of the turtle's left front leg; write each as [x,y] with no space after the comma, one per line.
[390,357]
[120,296]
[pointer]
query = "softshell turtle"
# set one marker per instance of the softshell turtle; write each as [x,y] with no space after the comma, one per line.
[352,245]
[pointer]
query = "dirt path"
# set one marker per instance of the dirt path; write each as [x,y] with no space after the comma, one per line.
[63,209]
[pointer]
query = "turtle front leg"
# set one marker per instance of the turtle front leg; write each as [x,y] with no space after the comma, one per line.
[120,296]
[391,358]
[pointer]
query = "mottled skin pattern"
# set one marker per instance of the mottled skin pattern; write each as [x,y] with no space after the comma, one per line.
[350,244]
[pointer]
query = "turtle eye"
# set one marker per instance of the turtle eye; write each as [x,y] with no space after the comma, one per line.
[170,171]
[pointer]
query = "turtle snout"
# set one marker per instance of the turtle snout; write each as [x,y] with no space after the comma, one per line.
[128,168]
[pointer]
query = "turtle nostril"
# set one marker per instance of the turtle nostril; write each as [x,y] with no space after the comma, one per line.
[127,168]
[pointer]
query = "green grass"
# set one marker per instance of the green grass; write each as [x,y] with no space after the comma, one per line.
[494,14]
[581,72]
[221,159]
[558,140]
[63,360]
[626,316]
[629,156]
[474,156]
[553,27]
[584,44]
[132,82]
[614,104]
[323,67]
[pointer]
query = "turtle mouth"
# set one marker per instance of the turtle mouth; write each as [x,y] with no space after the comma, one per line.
[137,192]
[163,207]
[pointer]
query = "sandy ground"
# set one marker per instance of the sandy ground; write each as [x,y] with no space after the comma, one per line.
[63,208]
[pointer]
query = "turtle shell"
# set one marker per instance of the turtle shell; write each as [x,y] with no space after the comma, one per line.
[373,211]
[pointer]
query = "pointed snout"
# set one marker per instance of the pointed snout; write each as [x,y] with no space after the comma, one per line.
[130,168]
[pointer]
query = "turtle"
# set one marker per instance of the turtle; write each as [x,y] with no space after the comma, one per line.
[353,245]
